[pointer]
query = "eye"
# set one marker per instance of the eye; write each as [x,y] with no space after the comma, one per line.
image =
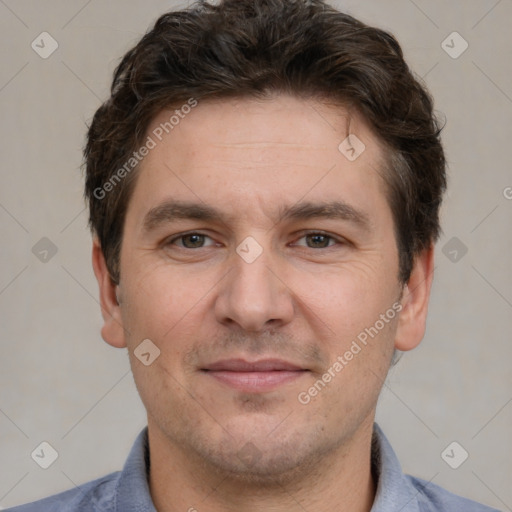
[195,240]
[190,241]
[318,240]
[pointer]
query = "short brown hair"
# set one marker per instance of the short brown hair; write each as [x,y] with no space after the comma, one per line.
[254,48]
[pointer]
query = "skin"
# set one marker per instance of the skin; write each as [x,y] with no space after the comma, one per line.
[303,300]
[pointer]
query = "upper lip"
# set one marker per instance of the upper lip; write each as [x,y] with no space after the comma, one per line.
[241,365]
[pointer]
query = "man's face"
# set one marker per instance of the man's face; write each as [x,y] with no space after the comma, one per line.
[250,310]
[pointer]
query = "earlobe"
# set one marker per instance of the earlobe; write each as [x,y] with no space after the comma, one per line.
[412,320]
[112,330]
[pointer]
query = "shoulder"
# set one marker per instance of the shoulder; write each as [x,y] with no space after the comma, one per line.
[100,492]
[433,498]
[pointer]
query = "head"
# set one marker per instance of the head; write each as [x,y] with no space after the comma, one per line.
[302,157]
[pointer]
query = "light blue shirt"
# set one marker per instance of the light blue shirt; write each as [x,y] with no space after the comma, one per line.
[128,490]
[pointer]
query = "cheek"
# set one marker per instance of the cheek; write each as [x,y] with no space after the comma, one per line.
[347,299]
[165,305]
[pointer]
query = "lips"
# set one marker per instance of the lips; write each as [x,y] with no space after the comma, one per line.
[240,365]
[256,376]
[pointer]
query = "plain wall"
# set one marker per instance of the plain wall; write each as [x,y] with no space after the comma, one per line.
[59,382]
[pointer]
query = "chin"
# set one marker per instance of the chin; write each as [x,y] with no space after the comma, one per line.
[266,461]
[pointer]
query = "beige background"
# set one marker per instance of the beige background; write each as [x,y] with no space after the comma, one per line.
[60,383]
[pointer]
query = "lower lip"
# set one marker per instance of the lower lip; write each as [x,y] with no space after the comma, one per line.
[255,382]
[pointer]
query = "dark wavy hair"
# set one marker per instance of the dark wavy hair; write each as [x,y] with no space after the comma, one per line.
[256,48]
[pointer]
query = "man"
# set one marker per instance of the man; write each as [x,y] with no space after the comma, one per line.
[264,185]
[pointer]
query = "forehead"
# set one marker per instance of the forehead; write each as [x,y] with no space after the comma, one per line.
[263,125]
[247,155]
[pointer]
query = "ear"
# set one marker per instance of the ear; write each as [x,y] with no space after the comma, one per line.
[416,294]
[112,330]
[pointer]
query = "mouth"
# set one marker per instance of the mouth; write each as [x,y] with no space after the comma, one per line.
[254,377]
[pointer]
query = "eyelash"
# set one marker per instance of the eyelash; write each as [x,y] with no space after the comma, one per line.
[303,235]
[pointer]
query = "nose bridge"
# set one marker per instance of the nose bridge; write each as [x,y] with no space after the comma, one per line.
[251,295]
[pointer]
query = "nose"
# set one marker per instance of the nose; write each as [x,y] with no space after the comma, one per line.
[254,294]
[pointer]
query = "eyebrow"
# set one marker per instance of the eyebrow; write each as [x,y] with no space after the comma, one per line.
[172,210]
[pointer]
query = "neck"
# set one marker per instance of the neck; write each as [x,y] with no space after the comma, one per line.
[341,480]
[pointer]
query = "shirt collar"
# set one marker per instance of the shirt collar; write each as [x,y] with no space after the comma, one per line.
[394,491]
[132,493]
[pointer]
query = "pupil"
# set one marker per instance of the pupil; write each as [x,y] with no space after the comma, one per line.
[195,239]
[318,239]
